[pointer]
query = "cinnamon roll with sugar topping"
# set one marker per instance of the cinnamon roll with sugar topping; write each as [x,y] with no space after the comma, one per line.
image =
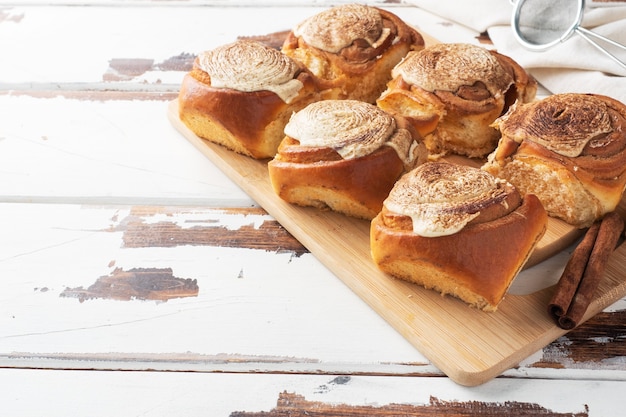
[353,48]
[457,230]
[241,95]
[569,150]
[452,93]
[343,155]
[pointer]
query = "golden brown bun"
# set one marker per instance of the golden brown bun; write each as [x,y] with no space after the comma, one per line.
[353,48]
[248,122]
[343,155]
[569,150]
[452,93]
[498,231]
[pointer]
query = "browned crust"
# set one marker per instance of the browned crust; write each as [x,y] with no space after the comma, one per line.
[360,57]
[419,107]
[240,120]
[458,121]
[345,73]
[483,258]
[298,172]
[595,179]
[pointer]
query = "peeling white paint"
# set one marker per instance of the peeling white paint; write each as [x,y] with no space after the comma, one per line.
[619,305]
[216,218]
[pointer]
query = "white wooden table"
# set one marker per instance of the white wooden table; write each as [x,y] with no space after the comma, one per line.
[136,279]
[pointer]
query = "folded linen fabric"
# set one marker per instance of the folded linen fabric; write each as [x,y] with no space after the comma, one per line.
[571,66]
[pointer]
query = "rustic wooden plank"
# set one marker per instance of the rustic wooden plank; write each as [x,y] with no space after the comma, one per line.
[149,271]
[601,340]
[295,405]
[109,150]
[229,395]
[269,235]
[281,301]
[109,92]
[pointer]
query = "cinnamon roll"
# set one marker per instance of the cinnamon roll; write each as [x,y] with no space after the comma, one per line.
[452,93]
[457,230]
[353,48]
[569,150]
[241,95]
[343,155]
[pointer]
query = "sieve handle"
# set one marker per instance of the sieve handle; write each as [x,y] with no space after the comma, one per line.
[588,35]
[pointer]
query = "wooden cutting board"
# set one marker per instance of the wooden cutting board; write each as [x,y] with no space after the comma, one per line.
[468,345]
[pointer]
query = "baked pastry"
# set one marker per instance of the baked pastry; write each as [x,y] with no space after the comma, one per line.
[458,230]
[343,155]
[567,149]
[452,93]
[353,48]
[241,95]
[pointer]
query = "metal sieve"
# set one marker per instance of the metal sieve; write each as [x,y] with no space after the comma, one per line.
[541,24]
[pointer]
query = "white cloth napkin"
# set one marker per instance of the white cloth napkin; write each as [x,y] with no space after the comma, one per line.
[572,66]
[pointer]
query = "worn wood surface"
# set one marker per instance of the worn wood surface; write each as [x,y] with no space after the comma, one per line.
[168,305]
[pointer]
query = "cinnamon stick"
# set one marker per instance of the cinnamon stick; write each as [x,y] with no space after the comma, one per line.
[609,232]
[573,273]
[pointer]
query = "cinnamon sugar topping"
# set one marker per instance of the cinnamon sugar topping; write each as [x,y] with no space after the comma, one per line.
[563,123]
[449,67]
[442,198]
[336,28]
[350,127]
[251,66]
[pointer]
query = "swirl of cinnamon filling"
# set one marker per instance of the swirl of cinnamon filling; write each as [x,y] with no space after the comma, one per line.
[589,129]
[251,66]
[352,128]
[338,27]
[455,68]
[442,198]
